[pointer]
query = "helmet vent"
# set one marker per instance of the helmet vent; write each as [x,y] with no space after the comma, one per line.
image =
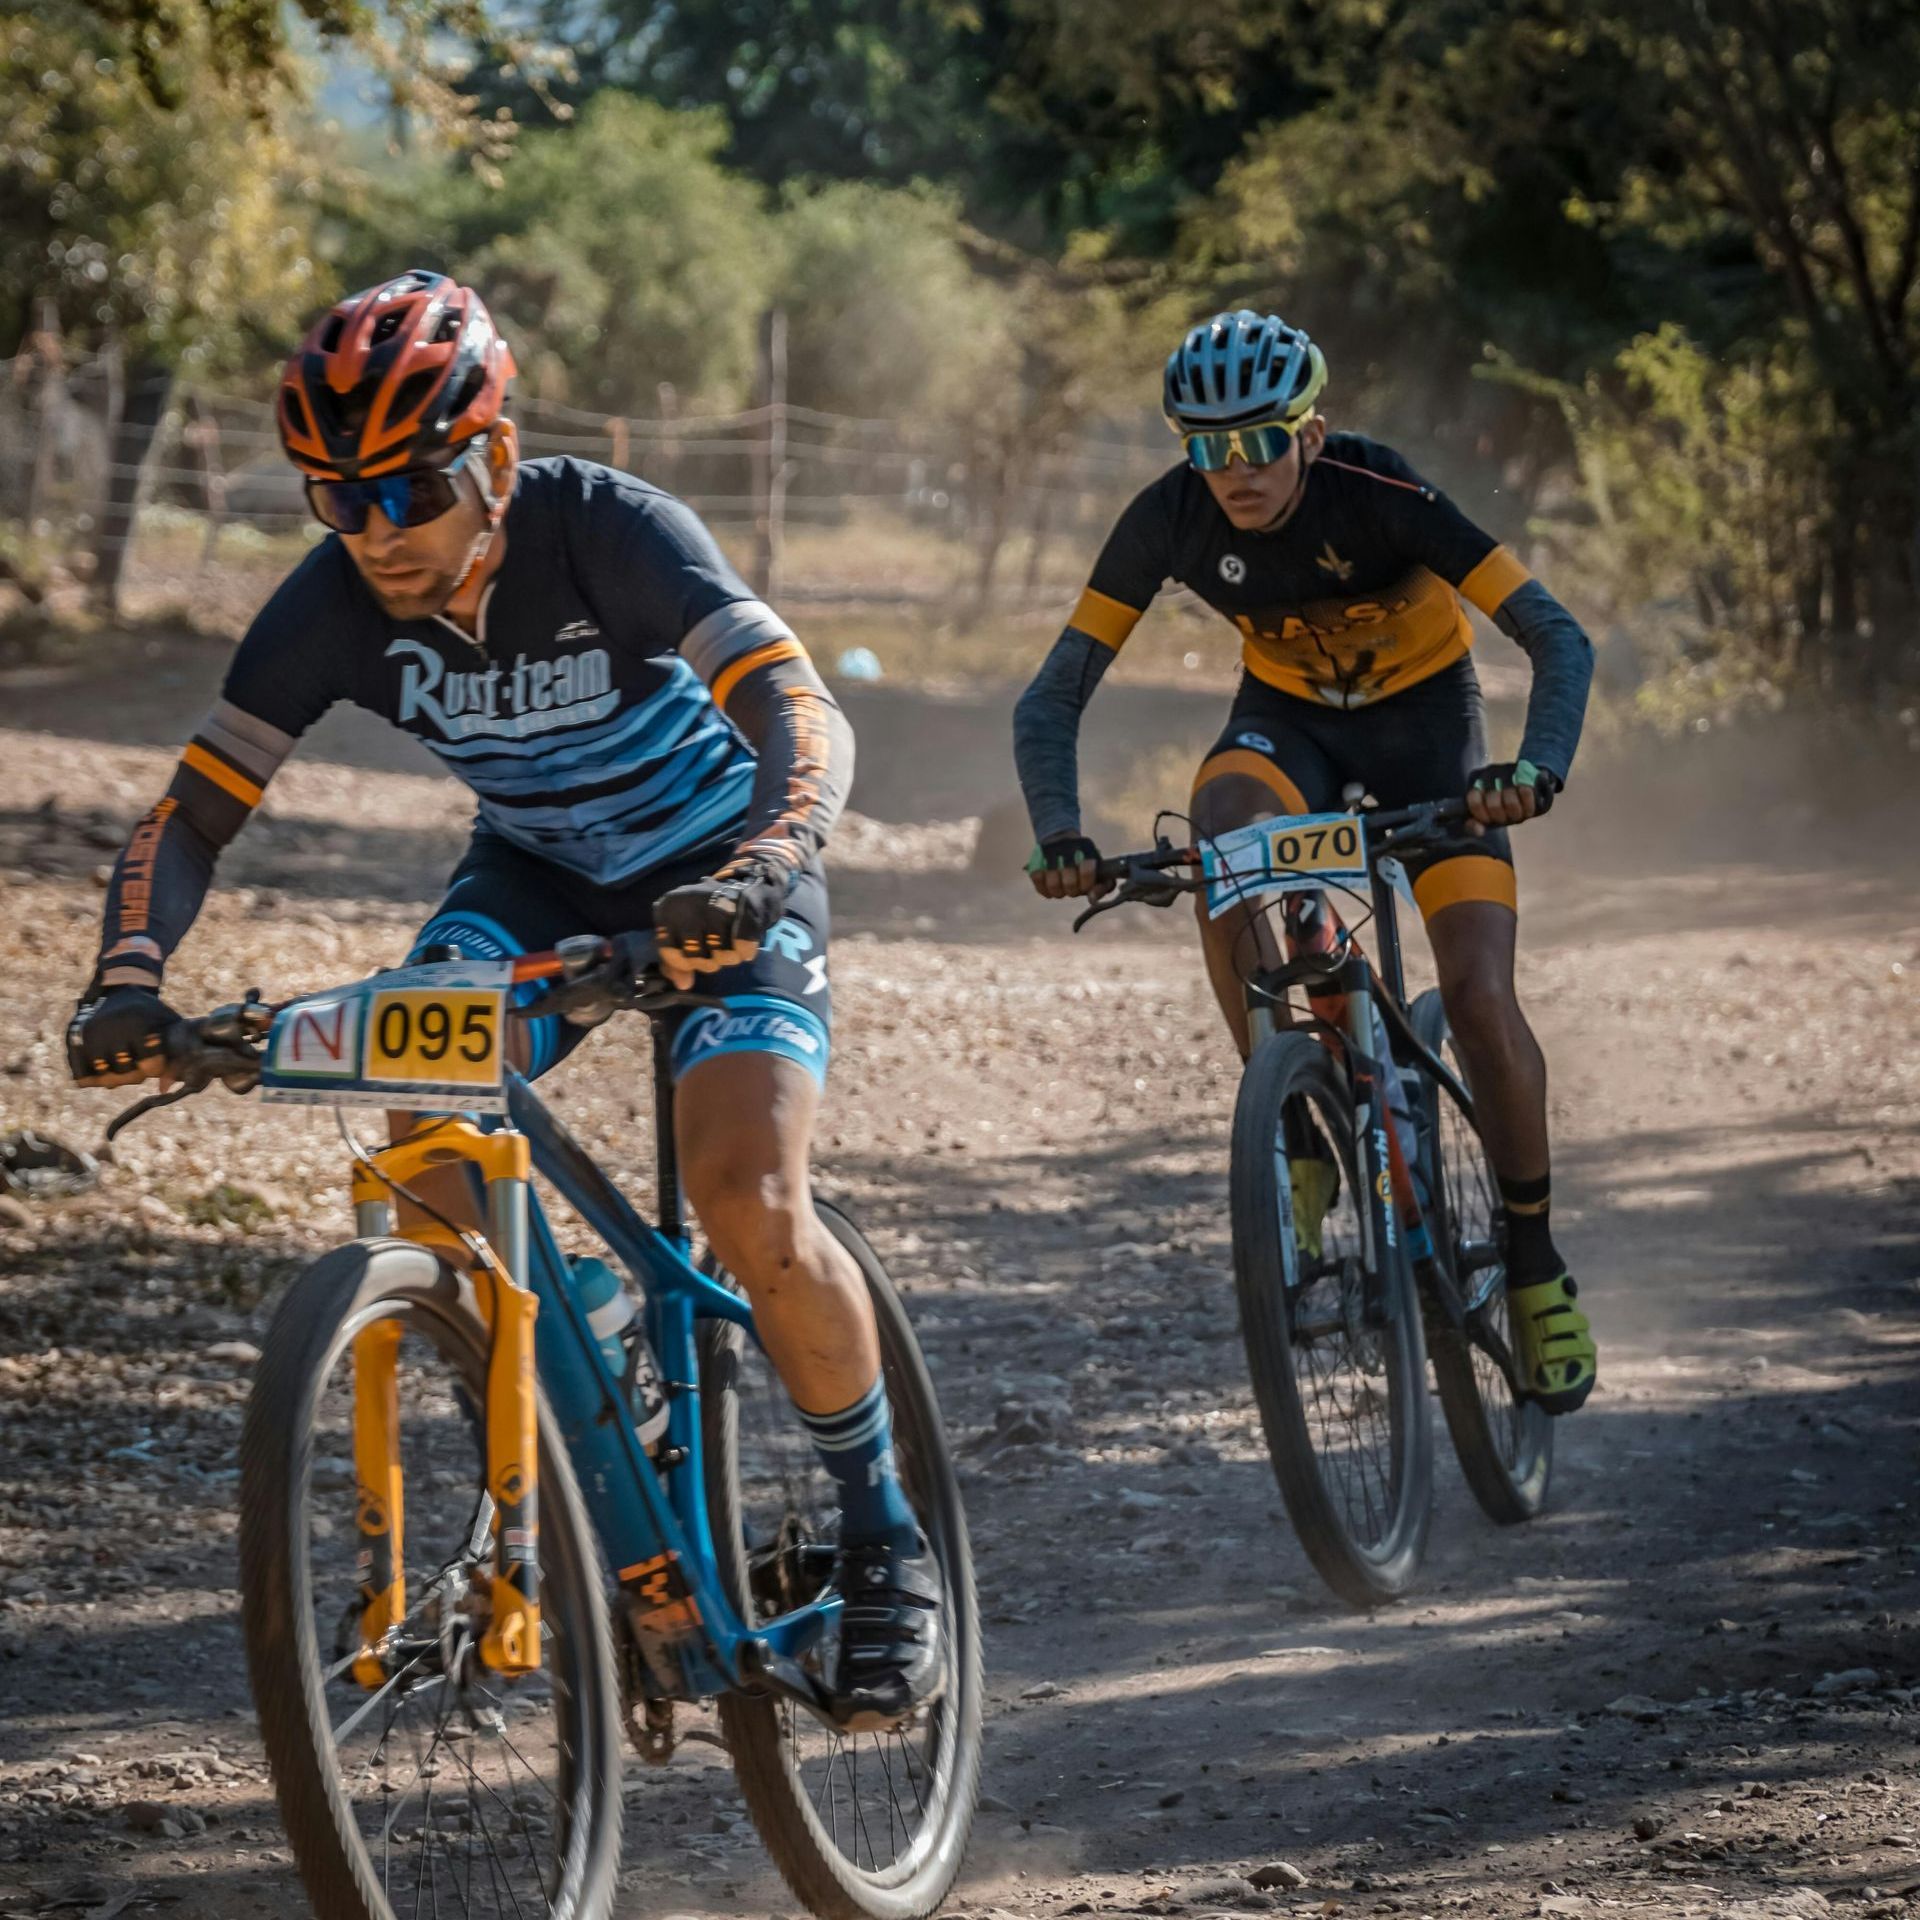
[469,391]
[330,339]
[411,394]
[387,326]
[447,330]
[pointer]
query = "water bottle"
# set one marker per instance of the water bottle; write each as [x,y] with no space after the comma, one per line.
[623,1346]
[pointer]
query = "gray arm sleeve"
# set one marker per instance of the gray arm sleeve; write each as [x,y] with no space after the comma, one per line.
[1562,657]
[1046,731]
[806,759]
[760,676]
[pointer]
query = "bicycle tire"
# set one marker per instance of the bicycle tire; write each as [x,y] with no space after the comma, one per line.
[1296,1072]
[326,1306]
[762,1733]
[1505,1448]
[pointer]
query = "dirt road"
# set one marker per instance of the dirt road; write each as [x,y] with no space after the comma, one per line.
[1689,1689]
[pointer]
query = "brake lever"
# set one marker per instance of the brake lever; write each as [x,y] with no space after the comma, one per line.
[152,1103]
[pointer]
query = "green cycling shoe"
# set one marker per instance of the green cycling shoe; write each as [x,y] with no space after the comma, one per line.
[1553,1343]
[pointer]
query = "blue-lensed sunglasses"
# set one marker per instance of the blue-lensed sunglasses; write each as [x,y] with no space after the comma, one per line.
[408,499]
[1259,446]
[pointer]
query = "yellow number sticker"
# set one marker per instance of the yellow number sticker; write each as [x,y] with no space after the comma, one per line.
[446,1036]
[1327,845]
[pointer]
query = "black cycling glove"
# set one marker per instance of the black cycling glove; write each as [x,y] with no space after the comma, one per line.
[1518,773]
[740,904]
[1061,850]
[116,1032]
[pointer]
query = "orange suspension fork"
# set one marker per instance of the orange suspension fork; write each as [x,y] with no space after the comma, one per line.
[380,1512]
[511,1643]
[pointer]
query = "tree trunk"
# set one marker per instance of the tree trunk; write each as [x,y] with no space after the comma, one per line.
[149,384]
[993,534]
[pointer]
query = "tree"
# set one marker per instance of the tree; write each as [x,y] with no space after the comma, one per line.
[621,253]
[179,238]
[425,51]
[888,316]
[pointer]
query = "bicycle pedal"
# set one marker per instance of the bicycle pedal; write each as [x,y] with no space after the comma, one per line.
[650,1727]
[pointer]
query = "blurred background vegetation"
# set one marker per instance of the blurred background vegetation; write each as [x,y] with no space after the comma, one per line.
[1634,278]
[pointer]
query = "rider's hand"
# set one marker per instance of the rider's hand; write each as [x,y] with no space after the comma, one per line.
[1509,792]
[119,1038]
[1063,867]
[721,921]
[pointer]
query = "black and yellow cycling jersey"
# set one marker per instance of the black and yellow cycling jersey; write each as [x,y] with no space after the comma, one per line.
[1357,596]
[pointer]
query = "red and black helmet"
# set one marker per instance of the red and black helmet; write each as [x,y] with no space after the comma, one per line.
[402,375]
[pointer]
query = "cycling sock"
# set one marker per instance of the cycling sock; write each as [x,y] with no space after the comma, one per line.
[1531,1254]
[855,1445]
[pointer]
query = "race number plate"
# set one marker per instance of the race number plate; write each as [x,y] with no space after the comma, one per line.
[426,1035]
[1272,857]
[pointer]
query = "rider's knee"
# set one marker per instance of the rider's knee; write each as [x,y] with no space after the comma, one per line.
[1480,1004]
[1228,801]
[760,1223]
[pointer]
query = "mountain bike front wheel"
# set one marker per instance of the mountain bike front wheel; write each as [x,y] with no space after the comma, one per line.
[1505,1445]
[412,1778]
[863,1826]
[1338,1364]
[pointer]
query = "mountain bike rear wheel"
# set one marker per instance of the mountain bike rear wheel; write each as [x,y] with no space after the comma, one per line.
[444,1788]
[869,1826]
[1505,1445]
[1338,1364]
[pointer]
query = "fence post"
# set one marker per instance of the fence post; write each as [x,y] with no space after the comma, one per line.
[618,443]
[667,397]
[770,456]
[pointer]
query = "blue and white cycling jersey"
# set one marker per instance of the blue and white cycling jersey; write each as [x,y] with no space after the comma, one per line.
[573,713]
[601,711]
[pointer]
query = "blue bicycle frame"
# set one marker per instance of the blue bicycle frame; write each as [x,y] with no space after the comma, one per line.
[651,1516]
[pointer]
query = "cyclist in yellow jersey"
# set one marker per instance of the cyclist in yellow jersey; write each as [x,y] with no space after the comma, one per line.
[1345,575]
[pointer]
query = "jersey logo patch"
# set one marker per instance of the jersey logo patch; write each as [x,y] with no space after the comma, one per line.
[1330,562]
[1232,569]
[1257,741]
[574,632]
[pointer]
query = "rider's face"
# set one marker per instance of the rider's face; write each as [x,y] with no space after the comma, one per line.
[1255,497]
[412,571]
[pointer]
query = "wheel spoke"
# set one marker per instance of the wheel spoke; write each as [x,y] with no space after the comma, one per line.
[463,1783]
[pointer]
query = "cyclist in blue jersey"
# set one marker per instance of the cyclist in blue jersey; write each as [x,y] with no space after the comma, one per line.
[651,750]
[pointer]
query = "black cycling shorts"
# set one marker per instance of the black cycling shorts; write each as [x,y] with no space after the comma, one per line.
[1423,743]
[502,901]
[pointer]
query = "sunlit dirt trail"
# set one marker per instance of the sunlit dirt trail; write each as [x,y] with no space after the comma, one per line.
[1688,1689]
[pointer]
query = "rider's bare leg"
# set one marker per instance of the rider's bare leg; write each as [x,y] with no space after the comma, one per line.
[745,1134]
[1473,948]
[1244,938]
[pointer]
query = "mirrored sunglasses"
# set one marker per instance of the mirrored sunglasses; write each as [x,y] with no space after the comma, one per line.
[410,499]
[1258,446]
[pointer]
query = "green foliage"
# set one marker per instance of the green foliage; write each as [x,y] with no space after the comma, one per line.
[187,231]
[887,317]
[620,253]
[424,50]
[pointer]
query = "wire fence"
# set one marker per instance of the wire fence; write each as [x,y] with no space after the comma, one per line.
[824,505]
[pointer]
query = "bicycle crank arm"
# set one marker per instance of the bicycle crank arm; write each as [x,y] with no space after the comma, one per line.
[1501,1355]
[764,1670]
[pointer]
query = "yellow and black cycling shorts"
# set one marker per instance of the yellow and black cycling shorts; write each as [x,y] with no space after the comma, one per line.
[1420,744]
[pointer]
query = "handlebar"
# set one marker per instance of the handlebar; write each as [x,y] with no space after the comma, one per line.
[1147,878]
[228,1045]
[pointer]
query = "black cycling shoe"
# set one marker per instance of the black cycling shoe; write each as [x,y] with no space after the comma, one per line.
[890,1658]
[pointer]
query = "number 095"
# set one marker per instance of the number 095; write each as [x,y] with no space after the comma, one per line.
[434,1032]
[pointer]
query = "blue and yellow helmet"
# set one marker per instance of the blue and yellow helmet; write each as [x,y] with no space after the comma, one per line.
[1238,369]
